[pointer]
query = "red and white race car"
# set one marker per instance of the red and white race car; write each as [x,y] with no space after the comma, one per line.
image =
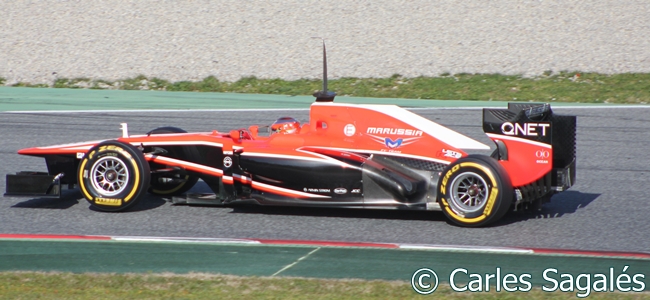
[352,156]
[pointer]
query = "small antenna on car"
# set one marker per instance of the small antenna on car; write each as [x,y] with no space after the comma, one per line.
[324,95]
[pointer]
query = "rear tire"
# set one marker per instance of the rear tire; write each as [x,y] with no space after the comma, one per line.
[180,181]
[113,176]
[475,191]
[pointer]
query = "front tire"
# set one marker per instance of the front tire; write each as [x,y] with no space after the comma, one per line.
[113,176]
[176,181]
[475,191]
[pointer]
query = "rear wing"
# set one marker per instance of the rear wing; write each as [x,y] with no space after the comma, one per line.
[534,144]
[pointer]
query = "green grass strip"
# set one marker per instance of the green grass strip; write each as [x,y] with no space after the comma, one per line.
[37,285]
[633,88]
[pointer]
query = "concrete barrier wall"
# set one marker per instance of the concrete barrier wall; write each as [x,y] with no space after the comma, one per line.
[191,39]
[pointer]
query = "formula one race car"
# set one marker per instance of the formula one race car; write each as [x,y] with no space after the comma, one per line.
[353,156]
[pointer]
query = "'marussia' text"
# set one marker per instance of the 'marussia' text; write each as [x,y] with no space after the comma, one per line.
[395,131]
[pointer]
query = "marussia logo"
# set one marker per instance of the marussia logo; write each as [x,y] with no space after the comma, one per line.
[394,131]
[392,144]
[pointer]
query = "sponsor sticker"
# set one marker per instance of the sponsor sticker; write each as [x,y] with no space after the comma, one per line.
[227,162]
[349,130]
[340,191]
[451,153]
[393,143]
[525,129]
[315,190]
[542,156]
[394,131]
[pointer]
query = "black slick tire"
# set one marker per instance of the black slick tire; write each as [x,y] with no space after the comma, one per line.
[181,181]
[113,176]
[475,191]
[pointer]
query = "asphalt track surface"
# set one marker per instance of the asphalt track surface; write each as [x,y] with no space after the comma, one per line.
[606,210]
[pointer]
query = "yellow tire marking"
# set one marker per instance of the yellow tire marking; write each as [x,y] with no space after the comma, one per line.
[137,177]
[464,220]
[108,201]
[443,185]
[81,181]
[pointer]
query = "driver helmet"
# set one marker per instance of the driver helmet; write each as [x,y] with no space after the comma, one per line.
[285,125]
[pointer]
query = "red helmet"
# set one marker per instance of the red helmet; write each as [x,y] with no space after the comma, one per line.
[285,125]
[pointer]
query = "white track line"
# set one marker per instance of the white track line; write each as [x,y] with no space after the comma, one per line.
[466,248]
[553,107]
[295,262]
[292,109]
[149,110]
[184,240]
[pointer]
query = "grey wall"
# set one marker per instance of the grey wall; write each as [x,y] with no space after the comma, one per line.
[192,39]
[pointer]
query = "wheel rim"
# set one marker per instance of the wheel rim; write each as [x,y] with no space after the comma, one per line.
[109,176]
[469,192]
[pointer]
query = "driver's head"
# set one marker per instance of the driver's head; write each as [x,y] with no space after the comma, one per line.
[285,125]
